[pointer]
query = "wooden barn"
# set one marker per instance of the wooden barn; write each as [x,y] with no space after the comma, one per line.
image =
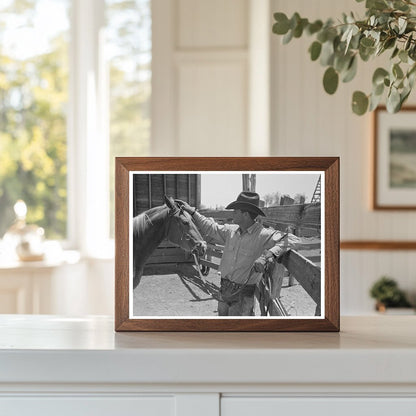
[148,192]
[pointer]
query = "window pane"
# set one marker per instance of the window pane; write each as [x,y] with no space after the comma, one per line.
[34,37]
[129,46]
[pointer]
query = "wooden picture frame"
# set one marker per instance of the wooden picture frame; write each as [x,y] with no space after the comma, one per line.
[394,158]
[323,287]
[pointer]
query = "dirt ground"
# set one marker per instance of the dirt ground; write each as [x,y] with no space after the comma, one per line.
[180,295]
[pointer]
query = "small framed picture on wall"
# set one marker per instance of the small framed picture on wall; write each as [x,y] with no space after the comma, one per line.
[394,146]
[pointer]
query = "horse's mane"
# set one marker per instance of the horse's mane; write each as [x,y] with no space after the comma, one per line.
[146,219]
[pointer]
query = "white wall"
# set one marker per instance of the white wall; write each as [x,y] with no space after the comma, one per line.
[200,78]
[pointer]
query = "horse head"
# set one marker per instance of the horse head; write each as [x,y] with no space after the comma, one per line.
[182,229]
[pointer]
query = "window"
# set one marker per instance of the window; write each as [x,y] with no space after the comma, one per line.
[129,46]
[33,98]
[75,87]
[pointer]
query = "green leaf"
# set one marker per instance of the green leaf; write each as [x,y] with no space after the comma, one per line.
[355,41]
[376,4]
[351,71]
[288,37]
[281,27]
[322,36]
[348,34]
[374,101]
[359,103]
[389,43]
[395,53]
[314,27]
[327,53]
[341,61]
[402,25]
[412,70]
[315,50]
[298,30]
[367,42]
[397,71]
[378,89]
[294,20]
[403,56]
[411,76]
[330,80]
[379,75]
[393,101]
[404,95]
[408,42]
[412,52]
[400,5]
[365,53]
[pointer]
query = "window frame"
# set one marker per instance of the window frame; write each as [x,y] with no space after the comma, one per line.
[87,133]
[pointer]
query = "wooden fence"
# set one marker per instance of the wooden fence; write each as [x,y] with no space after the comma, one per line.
[302,264]
[303,220]
[293,264]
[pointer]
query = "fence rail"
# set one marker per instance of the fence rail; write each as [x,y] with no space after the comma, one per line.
[305,270]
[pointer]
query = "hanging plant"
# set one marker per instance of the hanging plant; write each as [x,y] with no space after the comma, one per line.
[389,27]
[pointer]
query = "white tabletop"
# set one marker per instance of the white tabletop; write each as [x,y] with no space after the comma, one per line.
[57,349]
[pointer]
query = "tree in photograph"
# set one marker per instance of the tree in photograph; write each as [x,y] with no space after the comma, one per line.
[271,199]
[299,198]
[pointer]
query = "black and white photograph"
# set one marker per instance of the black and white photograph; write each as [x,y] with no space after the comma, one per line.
[226,244]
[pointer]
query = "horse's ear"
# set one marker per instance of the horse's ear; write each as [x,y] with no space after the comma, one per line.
[170,203]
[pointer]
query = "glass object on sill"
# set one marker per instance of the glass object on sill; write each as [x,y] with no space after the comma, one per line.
[25,241]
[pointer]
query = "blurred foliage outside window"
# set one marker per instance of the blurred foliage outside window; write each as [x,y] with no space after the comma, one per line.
[129,51]
[34,67]
[33,100]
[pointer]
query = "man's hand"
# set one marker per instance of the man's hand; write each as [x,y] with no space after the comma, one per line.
[185,206]
[260,264]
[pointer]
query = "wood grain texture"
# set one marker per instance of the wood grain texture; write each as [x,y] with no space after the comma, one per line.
[378,245]
[121,244]
[330,165]
[305,272]
[331,248]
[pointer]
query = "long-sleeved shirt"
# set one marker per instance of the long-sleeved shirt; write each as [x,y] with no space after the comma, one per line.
[241,249]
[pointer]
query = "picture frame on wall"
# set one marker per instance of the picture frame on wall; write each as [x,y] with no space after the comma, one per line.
[394,150]
[227,244]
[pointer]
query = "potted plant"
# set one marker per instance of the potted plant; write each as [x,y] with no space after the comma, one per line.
[387,294]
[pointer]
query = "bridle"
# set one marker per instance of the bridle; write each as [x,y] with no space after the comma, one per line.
[183,234]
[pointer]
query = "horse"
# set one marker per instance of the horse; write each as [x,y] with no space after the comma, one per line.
[166,221]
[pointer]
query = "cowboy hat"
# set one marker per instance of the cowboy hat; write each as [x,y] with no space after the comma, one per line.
[247,201]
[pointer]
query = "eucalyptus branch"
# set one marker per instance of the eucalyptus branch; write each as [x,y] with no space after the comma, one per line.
[339,47]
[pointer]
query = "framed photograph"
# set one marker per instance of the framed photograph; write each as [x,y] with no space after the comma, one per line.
[227,244]
[394,159]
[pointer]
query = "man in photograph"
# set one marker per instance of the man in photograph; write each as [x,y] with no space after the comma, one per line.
[248,246]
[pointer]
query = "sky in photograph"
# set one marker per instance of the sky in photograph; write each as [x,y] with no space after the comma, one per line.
[221,189]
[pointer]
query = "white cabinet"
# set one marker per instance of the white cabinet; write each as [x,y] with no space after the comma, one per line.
[79,366]
[88,406]
[322,406]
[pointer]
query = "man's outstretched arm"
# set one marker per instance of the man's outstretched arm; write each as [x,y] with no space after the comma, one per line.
[212,231]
